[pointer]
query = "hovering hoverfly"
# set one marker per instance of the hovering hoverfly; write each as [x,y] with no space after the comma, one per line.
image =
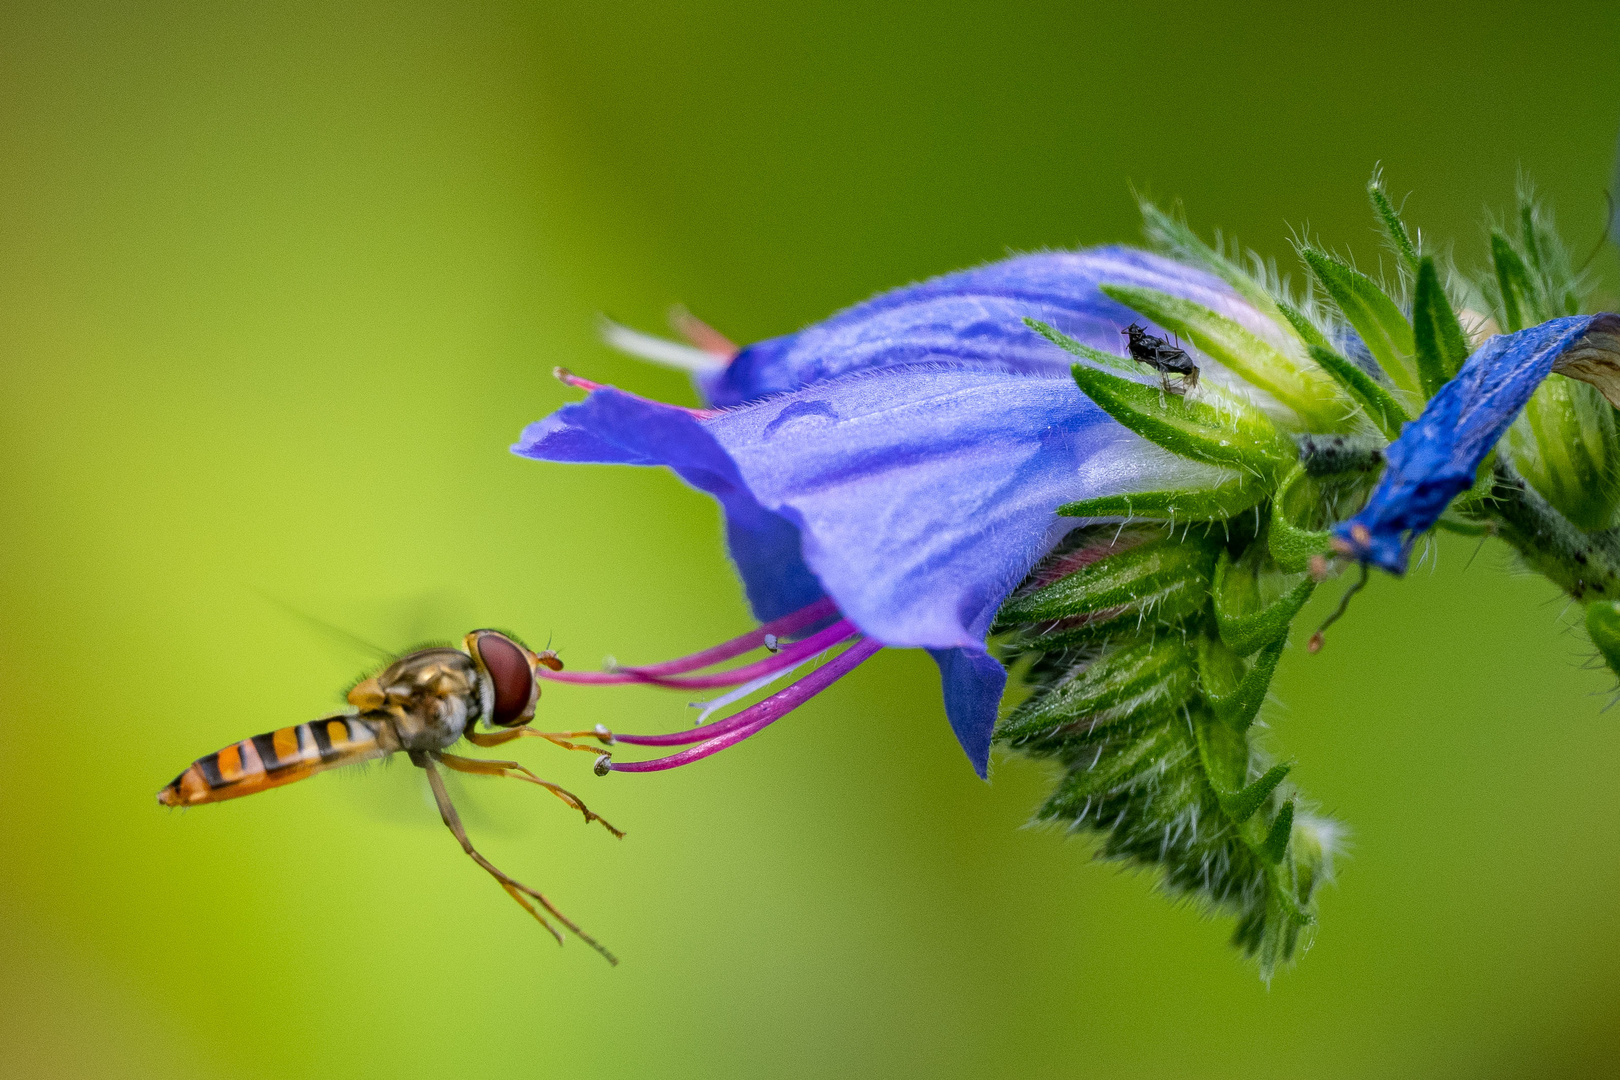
[1162,357]
[419,705]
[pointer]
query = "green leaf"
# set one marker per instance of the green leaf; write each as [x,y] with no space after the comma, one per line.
[1218,430]
[1379,404]
[1519,302]
[1282,828]
[1255,600]
[1437,335]
[1390,220]
[1301,388]
[1196,504]
[1374,315]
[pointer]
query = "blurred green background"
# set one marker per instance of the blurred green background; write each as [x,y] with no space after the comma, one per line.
[280,282]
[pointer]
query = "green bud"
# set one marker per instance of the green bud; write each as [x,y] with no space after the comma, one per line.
[1566,445]
[1603,627]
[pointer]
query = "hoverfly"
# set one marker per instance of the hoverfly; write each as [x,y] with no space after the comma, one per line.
[419,705]
[1162,357]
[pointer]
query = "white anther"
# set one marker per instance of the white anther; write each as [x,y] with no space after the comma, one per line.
[770,642]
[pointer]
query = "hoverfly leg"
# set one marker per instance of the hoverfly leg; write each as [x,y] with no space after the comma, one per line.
[481,767]
[514,888]
[488,739]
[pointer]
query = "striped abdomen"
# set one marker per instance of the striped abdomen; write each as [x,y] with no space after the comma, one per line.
[274,759]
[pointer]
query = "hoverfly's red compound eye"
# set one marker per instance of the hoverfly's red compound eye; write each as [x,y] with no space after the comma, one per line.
[509,670]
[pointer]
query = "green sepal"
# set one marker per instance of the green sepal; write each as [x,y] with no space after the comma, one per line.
[1169,607]
[1235,692]
[1195,504]
[1437,335]
[1140,682]
[1387,334]
[1169,232]
[1519,304]
[1275,847]
[1223,752]
[1390,220]
[1239,351]
[1292,546]
[1255,599]
[1242,806]
[1114,581]
[1603,627]
[1308,331]
[1108,360]
[1379,404]
[1220,431]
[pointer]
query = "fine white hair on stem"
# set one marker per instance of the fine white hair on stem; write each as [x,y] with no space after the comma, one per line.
[660,350]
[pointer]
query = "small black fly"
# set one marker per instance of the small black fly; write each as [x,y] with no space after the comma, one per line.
[1162,357]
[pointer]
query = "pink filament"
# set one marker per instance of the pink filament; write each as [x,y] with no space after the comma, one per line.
[568,378]
[737,646]
[752,720]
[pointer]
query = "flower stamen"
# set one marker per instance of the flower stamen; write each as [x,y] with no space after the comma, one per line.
[712,738]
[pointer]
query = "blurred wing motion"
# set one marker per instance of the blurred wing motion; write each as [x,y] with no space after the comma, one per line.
[420,705]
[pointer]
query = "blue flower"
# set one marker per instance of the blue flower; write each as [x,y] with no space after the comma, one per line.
[1438,455]
[896,466]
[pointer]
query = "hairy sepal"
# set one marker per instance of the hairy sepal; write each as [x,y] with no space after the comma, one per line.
[1437,334]
[1379,404]
[1373,315]
[1216,428]
[1314,399]
[1256,599]
[1153,727]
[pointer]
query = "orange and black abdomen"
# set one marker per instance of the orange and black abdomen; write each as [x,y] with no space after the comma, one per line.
[273,759]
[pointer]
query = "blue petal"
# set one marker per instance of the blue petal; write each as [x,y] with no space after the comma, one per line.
[973,681]
[612,427]
[922,495]
[1438,454]
[975,318]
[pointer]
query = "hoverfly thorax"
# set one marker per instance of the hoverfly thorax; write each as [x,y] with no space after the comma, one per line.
[428,698]
[510,687]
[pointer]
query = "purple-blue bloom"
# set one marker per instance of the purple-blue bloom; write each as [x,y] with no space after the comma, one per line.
[1439,454]
[904,458]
